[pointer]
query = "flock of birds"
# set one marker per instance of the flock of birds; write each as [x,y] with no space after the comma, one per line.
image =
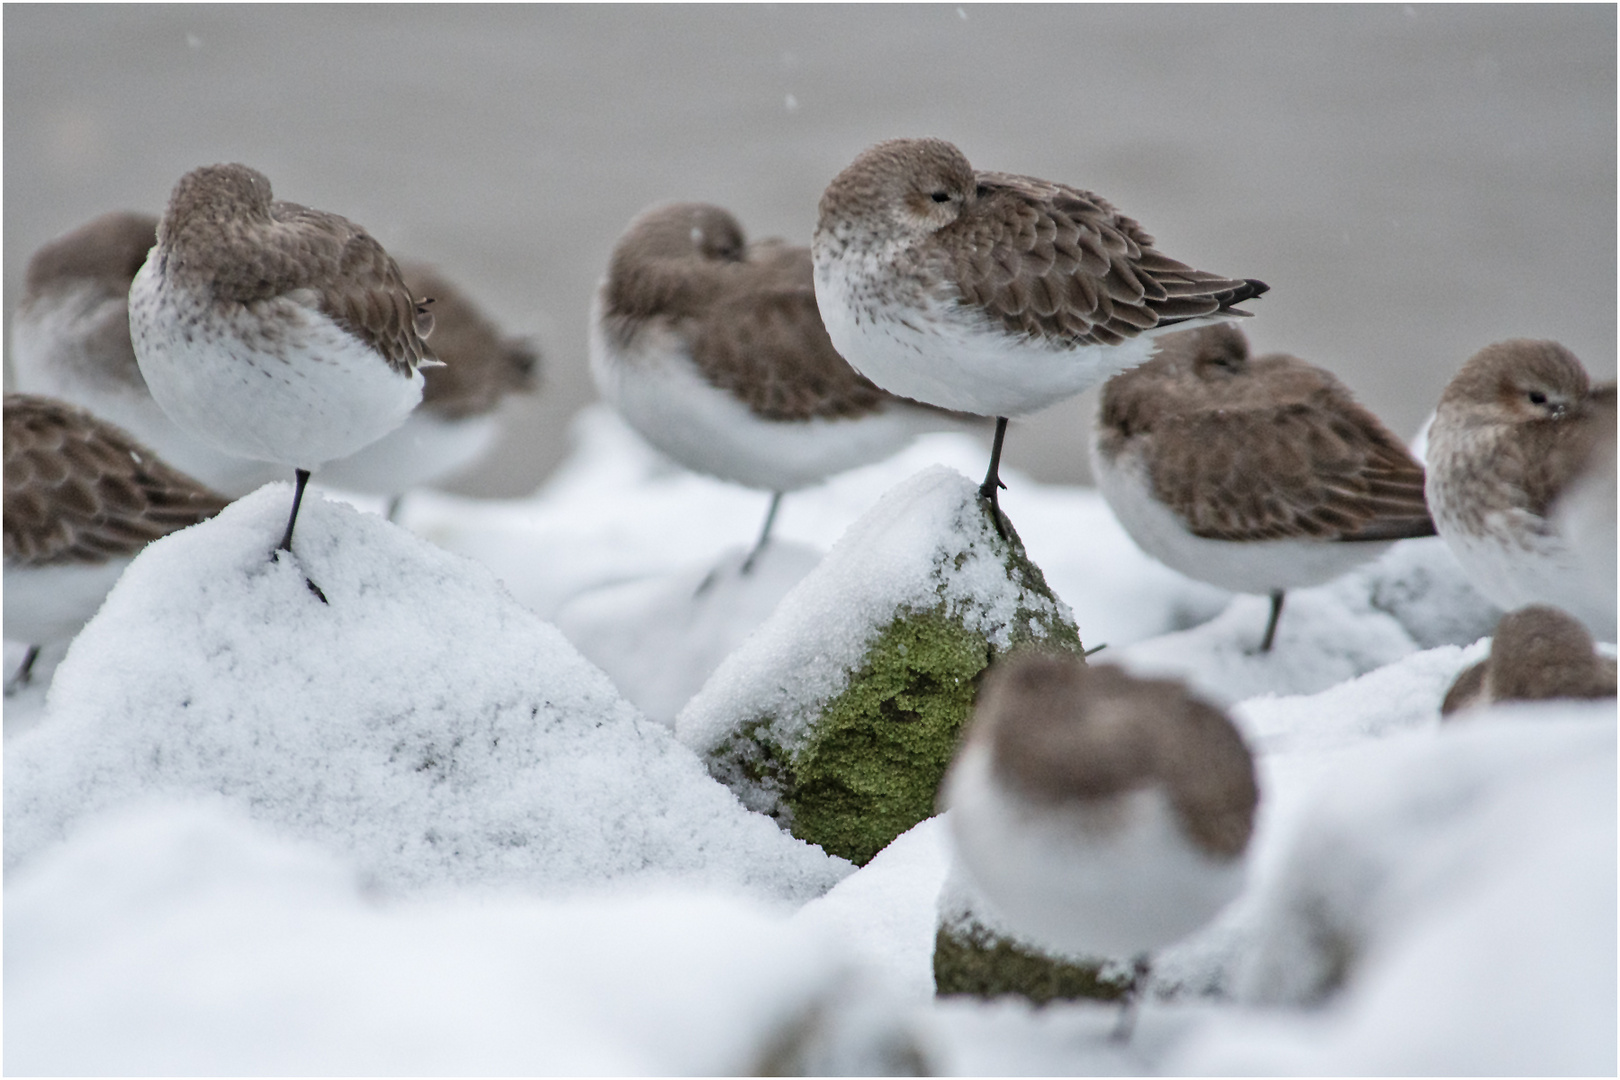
[170,364]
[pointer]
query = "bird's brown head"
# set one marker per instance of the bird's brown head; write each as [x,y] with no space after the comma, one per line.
[899,188]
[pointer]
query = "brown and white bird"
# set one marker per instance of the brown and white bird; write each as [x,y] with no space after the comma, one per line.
[1103,815]
[70,341]
[82,498]
[456,424]
[992,293]
[1515,429]
[1537,654]
[273,331]
[1255,474]
[713,349]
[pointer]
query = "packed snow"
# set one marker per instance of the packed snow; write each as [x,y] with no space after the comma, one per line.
[418,829]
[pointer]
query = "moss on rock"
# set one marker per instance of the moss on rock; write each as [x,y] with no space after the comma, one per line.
[973,959]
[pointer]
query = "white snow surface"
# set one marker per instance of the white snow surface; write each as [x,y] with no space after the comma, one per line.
[245,883]
[421,721]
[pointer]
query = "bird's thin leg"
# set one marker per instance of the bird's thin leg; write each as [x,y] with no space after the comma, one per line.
[302,476]
[764,534]
[1271,624]
[395,504]
[992,479]
[1130,1002]
[24,673]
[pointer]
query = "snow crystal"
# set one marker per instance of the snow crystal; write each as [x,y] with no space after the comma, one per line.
[420,721]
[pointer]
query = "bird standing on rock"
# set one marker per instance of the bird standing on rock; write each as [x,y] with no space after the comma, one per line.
[992,293]
[273,331]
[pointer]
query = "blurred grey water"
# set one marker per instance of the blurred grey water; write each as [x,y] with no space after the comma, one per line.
[1414,182]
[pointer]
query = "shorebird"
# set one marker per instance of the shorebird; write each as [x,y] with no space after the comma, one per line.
[991,293]
[1537,654]
[82,498]
[713,349]
[1103,815]
[1257,474]
[455,425]
[273,331]
[1514,431]
[70,341]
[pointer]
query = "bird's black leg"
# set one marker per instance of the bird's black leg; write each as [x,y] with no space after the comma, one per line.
[302,476]
[764,534]
[24,673]
[286,538]
[1130,1002]
[992,479]
[1271,624]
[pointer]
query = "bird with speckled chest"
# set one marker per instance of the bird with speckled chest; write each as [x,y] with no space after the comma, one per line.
[991,293]
[273,331]
[1256,474]
[1515,430]
[713,349]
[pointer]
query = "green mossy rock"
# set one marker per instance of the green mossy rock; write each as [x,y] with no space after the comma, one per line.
[974,955]
[857,760]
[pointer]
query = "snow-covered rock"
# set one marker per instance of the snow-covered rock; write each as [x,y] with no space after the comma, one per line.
[420,721]
[840,713]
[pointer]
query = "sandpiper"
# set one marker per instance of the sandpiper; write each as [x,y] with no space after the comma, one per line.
[991,293]
[1514,430]
[1257,474]
[70,341]
[713,349]
[273,331]
[82,498]
[456,424]
[1101,814]
[1537,654]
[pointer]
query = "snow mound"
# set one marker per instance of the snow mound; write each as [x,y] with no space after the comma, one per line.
[1451,895]
[421,722]
[184,939]
[659,638]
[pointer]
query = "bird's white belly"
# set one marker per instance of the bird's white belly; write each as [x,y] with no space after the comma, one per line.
[1512,564]
[1248,566]
[425,449]
[946,354]
[274,382]
[660,392]
[1122,883]
[52,603]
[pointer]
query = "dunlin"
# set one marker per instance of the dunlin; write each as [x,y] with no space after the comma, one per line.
[456,424]
[81,499]
[1537,654]
[1256,474]
[1103,815]
[1514,430]
[991,293]
[273,331]
[70,341]
[713,349]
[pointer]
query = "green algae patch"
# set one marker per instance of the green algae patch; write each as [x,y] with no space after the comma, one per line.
[875,757]
[971,959]
[840,715]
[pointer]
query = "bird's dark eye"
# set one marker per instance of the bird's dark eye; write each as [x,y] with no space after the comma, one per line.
[1537,398]
[940,196]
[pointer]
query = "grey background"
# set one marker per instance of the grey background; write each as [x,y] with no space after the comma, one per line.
[1414,182]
